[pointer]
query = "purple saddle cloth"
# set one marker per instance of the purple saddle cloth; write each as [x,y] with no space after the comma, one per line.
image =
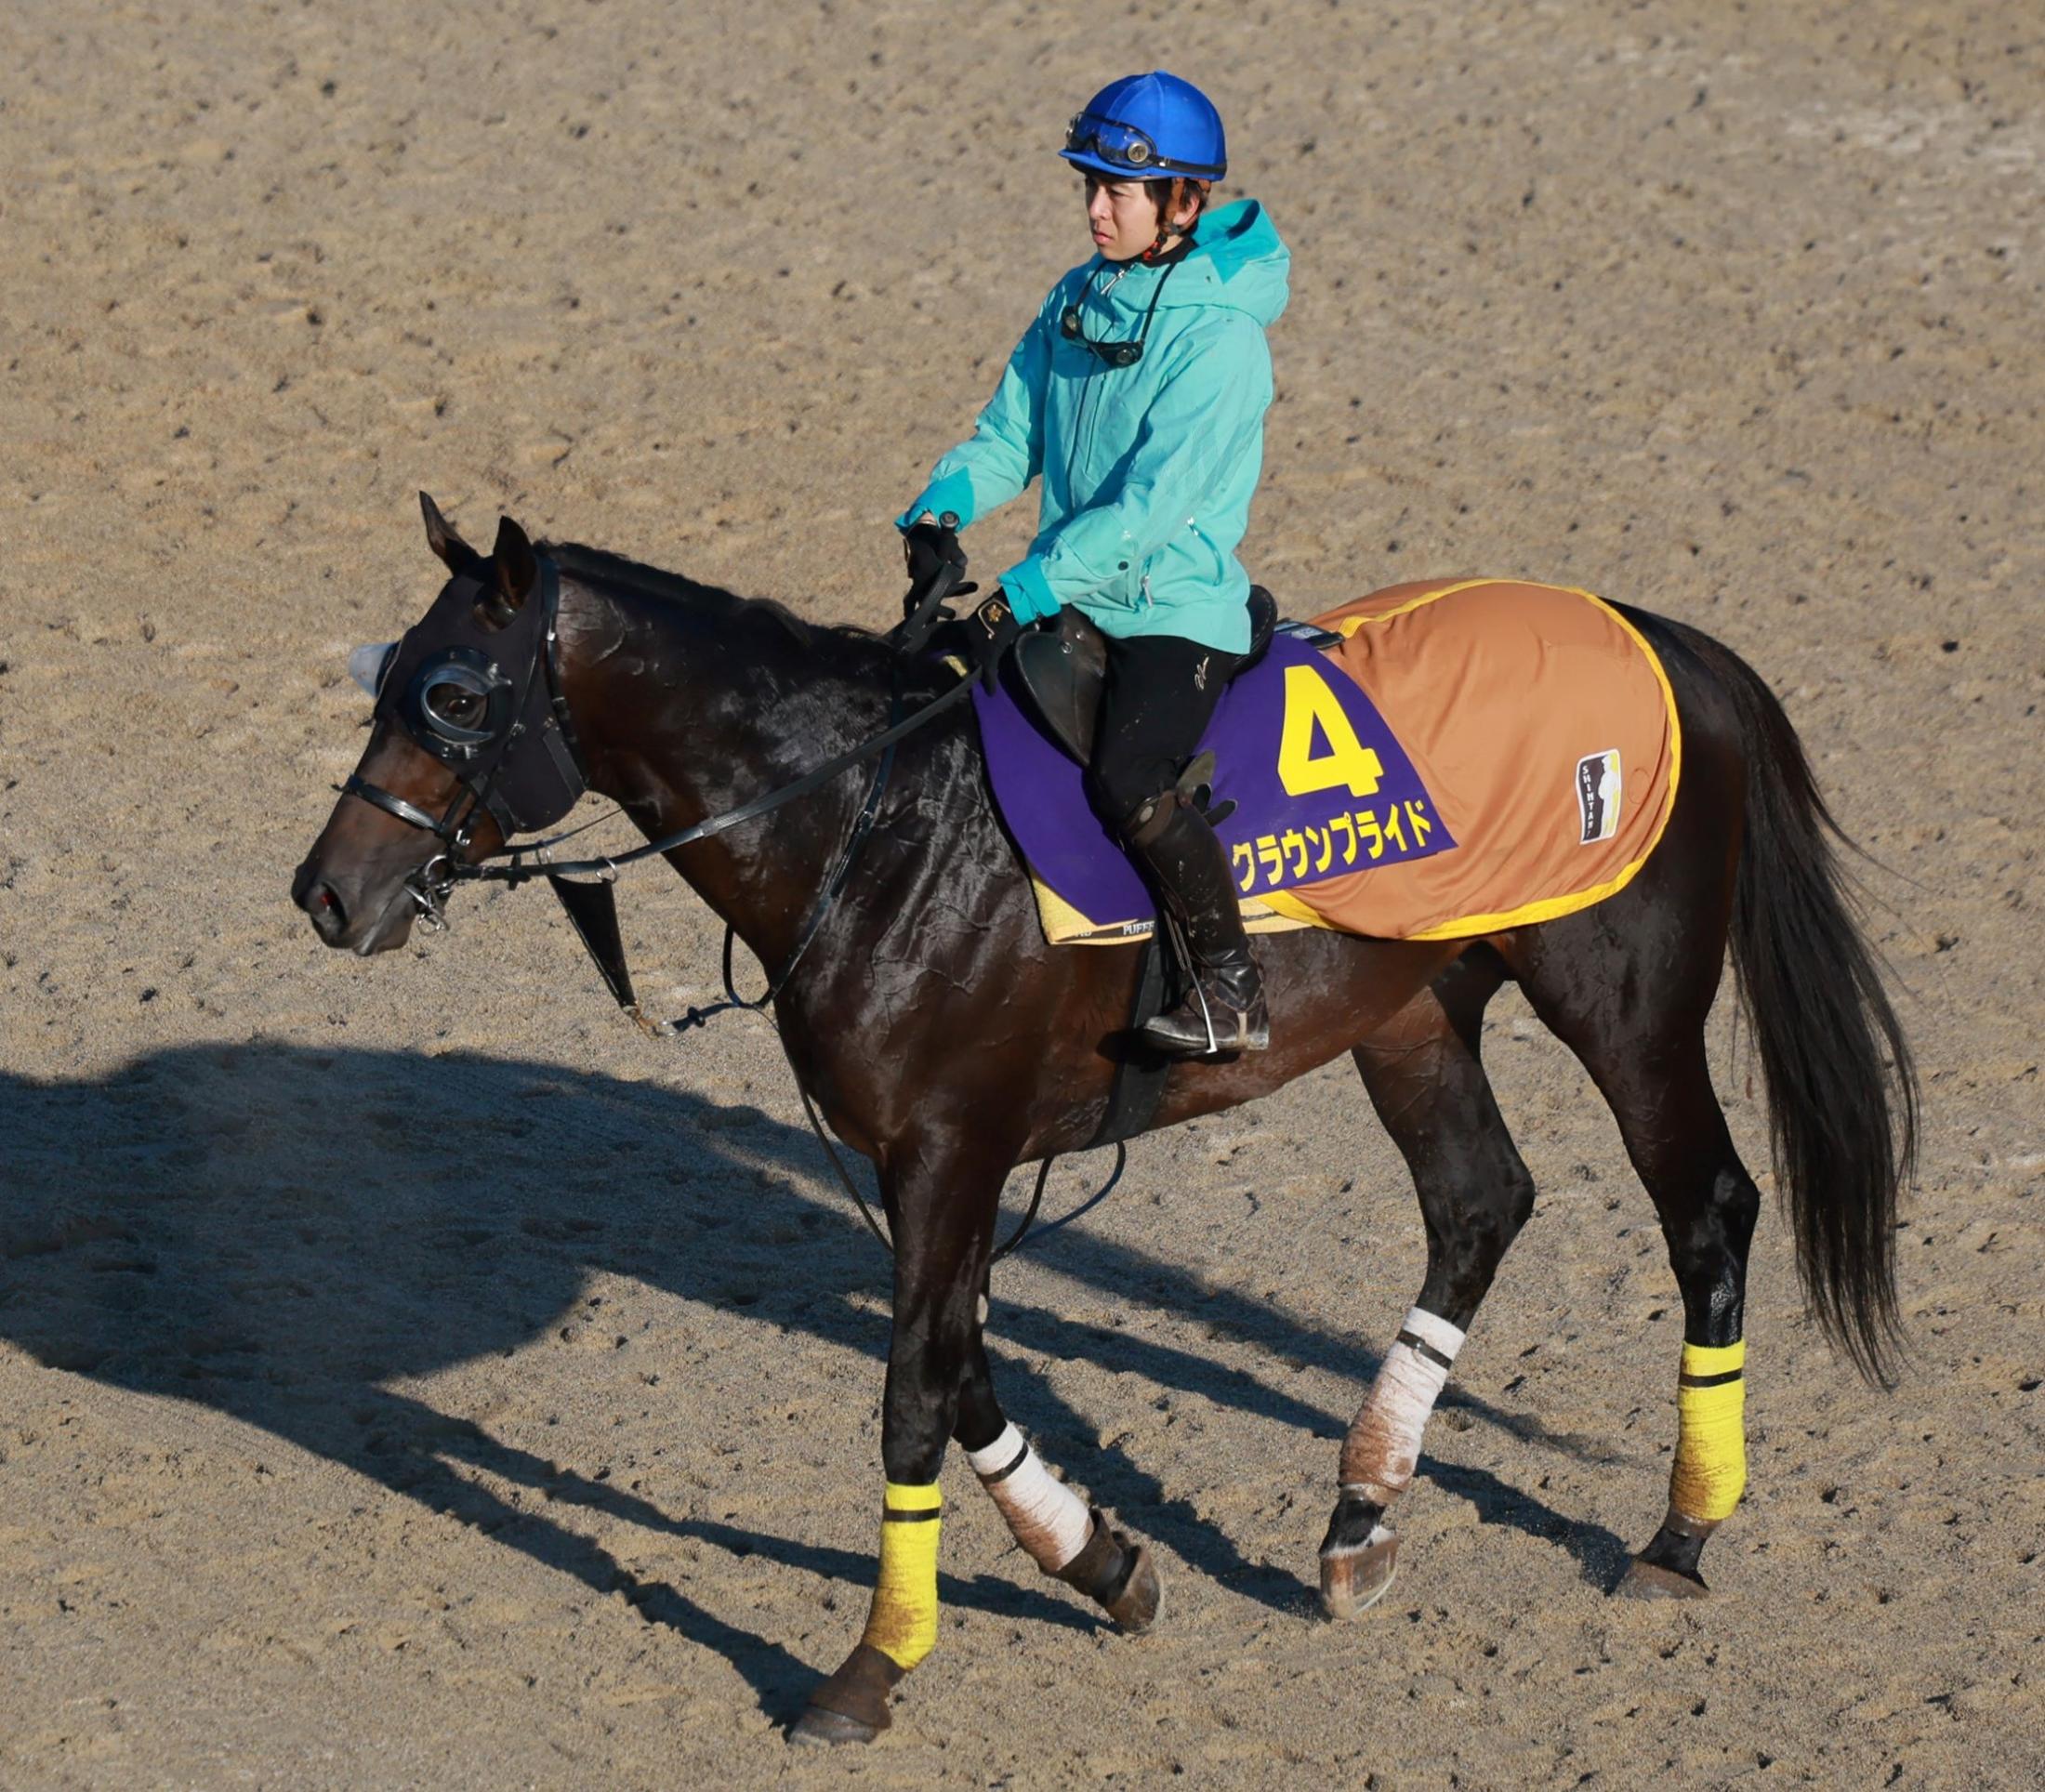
[1319,782]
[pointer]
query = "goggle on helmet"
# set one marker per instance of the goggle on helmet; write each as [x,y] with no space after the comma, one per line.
[1149,126]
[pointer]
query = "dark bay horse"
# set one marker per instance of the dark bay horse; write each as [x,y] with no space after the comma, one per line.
[941,1036]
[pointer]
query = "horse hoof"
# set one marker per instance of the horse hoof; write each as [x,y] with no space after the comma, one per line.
[1356,1580]
[1117,1574]
[817,1728]
[852,1704]
[1647,1580]
[1134,1609]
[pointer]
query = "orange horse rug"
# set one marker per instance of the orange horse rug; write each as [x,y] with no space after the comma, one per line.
[1435,760]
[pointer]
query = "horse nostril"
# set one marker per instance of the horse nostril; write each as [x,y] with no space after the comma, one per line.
[329,917]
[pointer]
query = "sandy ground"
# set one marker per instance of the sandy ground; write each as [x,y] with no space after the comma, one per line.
[411,1376]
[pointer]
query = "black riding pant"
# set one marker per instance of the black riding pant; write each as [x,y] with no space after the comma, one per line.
[1158,698]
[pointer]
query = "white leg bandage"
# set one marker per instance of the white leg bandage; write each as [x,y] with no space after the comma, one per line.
[1047,1517]
[1384,1445]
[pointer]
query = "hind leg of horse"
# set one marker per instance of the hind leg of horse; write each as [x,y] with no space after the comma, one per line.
[1639,1031]
[1426,1080]
[941,1197]
[1066,1537]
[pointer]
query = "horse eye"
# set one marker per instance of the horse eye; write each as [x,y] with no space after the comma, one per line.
[456,703]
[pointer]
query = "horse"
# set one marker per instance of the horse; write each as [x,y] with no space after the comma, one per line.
[941,1036]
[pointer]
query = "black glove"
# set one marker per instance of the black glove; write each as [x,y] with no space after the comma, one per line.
[929,547]
[986,635]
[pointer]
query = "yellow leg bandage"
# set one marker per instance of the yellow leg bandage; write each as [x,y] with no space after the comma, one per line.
[903,1623]
[1711,1470]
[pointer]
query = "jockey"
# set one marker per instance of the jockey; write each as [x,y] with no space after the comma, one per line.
[1137,399]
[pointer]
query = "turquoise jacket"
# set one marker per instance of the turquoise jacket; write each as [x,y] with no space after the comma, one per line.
[1147,471]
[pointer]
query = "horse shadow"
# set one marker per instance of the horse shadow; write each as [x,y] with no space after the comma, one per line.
[280,1233]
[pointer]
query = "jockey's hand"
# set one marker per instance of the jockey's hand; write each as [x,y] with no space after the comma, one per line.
[927,546]
[987,634]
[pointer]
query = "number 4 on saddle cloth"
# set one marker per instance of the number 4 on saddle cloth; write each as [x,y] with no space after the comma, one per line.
[1434,761]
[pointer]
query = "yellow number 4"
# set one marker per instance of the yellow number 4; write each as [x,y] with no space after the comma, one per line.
[1347,761]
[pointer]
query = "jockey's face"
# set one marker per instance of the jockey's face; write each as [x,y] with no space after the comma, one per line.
[1122,216]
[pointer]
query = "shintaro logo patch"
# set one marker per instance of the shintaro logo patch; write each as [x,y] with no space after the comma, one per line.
[1597,795]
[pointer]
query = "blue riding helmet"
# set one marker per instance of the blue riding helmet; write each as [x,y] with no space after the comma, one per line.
[1146,126]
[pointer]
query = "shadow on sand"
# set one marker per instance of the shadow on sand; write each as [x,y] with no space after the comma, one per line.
[277,1232]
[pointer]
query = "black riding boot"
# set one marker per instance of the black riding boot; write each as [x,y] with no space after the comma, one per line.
[1188,871]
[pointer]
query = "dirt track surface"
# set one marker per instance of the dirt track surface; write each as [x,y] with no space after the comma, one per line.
[409,1376]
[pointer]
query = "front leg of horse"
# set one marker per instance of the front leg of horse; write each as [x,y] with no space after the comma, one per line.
[902,1621]
[942,1207]
[939,1385]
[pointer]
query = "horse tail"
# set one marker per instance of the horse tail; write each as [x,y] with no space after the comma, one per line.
[1843,1091]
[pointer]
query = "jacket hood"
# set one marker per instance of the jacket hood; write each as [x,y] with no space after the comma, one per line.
[1238,261]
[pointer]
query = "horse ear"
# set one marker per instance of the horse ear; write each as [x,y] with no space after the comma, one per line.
[449,547]
[518,568]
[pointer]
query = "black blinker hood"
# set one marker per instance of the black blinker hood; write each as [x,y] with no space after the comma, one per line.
[527,773]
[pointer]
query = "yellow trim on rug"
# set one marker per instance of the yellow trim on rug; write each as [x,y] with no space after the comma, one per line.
[1065,925]
[1350,624]
[1283,902]
[1551,907]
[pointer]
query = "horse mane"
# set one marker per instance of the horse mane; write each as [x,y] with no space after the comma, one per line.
[601,566]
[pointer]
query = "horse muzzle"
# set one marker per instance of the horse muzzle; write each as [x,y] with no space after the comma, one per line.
[364,916]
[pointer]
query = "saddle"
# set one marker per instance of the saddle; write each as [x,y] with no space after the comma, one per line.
[1059,672]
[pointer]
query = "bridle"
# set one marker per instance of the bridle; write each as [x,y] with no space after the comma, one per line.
[517,761]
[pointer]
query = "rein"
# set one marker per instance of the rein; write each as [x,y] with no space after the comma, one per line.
[1029,1213]
[812,925]
[519,871]
[591,906]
